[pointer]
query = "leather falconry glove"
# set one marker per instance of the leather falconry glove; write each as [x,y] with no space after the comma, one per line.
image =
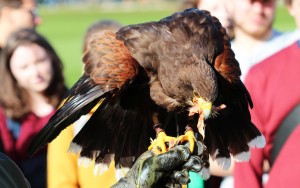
[168,169]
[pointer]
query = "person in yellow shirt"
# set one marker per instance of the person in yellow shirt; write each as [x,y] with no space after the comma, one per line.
[63,169]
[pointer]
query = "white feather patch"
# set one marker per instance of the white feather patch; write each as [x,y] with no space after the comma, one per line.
[204,173]
[243,156]
[100,168]
[257,142]
[74,148]
[81,122]
[214,156]
[121,172]
[84,161]
[223,162]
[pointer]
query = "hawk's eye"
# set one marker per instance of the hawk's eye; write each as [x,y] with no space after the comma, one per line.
[196,94]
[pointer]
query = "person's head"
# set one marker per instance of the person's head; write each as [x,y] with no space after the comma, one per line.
[185,4]
[219,9]
[15,15]
[29,66]
[32,6]
[253,17]
[98,27]
[294,10]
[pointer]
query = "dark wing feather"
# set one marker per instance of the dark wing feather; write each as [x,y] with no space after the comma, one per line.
[122,125]
[229,68]
[81,98]
[108,68]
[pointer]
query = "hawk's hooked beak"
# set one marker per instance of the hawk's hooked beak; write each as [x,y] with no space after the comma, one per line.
[203,108]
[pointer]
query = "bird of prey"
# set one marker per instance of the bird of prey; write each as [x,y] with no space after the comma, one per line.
[177,76]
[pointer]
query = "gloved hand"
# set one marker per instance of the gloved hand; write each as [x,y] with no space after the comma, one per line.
[169,169]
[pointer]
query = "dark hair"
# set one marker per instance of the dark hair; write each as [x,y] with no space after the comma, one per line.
[185,4]
[14,99]
[10,3]
[288,2]
[99,26]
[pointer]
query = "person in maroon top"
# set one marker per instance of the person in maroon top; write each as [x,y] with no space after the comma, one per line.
[273,86]
[32,85]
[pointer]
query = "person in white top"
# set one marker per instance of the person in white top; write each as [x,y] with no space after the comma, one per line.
[293,7]
[253,29]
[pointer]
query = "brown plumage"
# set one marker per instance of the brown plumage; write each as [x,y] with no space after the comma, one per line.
[108,63]
[162,73]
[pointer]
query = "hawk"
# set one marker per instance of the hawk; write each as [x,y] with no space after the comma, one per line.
[177,76]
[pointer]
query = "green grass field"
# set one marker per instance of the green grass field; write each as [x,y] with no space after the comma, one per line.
[65,26]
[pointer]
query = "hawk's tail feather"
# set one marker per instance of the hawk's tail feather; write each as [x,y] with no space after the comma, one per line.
[224,162]
[239,136]
[218,147]
[232,138]
[74,148]
[100,168]
[84,161]
[242,156]
[121,172]
[257,142]
[254,137]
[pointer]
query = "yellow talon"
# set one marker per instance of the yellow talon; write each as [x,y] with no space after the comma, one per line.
[158,145]
[190,137]
[159,142]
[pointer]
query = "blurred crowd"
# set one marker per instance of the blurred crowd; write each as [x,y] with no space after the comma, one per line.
[31,74]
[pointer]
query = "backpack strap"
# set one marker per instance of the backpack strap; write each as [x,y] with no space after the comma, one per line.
[287,126]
